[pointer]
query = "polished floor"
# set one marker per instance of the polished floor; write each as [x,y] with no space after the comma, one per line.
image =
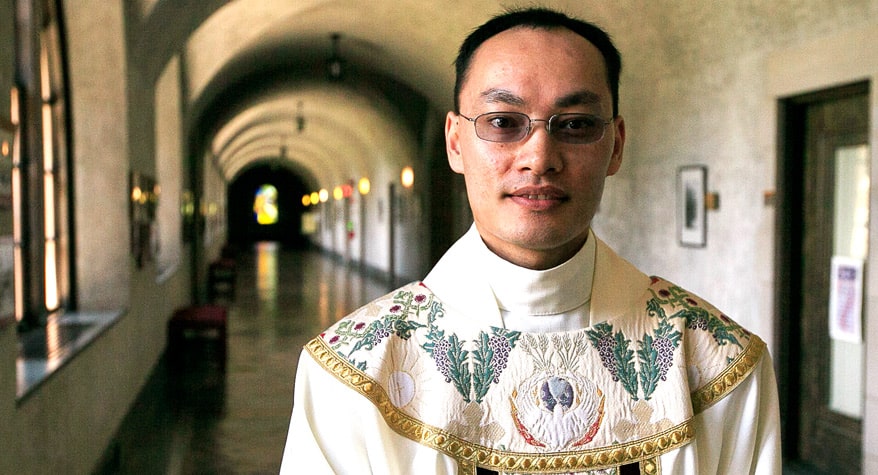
[193,418]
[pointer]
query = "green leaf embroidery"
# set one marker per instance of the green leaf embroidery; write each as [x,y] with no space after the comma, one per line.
[483,371]
[649,373]
[457,367]
[625,369]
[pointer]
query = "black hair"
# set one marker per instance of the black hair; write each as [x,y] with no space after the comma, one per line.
[539,18]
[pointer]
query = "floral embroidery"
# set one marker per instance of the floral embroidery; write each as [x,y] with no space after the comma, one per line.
[721,327]
[472,367]
[402,322]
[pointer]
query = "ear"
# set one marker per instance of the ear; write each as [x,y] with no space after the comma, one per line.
[618,146]
[452,142]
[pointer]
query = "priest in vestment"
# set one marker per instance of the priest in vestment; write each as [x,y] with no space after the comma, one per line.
[531,347]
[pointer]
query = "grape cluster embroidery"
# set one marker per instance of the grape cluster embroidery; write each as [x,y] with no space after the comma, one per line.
[616,355]
[500,346]
[471,371]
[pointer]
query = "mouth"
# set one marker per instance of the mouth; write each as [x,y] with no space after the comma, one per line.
[539,193]
[536,197]
[539,197]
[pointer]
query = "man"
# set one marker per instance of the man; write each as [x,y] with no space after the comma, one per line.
[531,347]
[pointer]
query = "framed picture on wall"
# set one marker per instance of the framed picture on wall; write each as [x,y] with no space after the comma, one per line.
[691,209]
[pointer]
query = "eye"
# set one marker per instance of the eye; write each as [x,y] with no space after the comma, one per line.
[578,122]
[505,120]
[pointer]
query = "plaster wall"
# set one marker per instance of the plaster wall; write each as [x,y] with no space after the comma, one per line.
[100,148]
[695,90]
[169,168]
[701,87]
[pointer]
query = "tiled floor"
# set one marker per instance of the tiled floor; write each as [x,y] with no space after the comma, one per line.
[191,418]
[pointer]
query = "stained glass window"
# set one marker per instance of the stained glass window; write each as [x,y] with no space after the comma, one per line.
[265,205]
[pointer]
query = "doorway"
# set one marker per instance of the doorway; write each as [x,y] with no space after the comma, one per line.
[279,188]
[823,218]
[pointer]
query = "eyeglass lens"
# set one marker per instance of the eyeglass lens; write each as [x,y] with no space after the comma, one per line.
[514,126]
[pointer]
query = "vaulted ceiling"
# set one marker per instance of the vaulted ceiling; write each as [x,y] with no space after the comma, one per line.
[258,84]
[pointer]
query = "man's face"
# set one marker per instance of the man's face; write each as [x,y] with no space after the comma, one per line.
[533,200]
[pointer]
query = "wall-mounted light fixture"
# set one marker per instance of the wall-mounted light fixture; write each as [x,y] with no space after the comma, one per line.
[407,177]
[335,65]
[364,186]
[300,118]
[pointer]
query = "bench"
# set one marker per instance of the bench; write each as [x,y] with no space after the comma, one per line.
[198,320]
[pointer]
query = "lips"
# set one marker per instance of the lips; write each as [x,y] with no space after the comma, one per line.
[539,193]
[538,198]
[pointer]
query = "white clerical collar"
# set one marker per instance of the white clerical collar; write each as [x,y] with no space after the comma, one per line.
[552,291]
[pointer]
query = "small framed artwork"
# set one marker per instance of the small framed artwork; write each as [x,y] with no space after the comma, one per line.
[691,209]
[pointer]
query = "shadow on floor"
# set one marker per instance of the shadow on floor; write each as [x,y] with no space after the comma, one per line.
[171,427]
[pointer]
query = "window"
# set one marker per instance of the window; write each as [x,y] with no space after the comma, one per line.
[40,177]
[265,205]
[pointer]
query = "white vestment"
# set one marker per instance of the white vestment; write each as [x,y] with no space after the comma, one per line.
[458,372]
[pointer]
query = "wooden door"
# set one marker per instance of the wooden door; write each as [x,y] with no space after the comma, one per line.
[826,137]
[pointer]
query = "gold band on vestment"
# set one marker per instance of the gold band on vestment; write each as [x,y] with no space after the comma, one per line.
[470,455]
[728,380]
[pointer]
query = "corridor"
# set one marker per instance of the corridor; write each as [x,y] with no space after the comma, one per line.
[190,418]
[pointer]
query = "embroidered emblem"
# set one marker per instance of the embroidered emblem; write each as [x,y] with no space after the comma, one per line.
[471,371]
[556,407]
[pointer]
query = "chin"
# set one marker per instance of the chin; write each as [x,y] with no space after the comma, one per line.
[547,238]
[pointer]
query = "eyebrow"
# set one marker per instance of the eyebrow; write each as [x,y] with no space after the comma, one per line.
[504,96]
[492,96]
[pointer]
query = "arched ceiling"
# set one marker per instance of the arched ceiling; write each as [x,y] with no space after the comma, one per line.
[338,140]
[249,64]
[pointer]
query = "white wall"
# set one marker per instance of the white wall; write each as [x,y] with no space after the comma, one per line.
[100,150]
[701,87]
[842,58]
[169,169]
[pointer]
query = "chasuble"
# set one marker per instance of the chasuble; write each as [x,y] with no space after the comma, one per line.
[632,375]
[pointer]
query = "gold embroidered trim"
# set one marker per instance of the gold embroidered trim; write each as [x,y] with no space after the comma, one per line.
[650,466]
[469,454]
[729,379]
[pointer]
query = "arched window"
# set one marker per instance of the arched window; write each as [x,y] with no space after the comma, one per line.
[40,172]
[265,207]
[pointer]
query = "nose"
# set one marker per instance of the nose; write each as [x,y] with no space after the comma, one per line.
[538,153]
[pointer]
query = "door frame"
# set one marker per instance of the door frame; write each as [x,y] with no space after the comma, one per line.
[789,225]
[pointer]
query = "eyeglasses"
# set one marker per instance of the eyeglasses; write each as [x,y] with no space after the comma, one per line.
[506,127]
